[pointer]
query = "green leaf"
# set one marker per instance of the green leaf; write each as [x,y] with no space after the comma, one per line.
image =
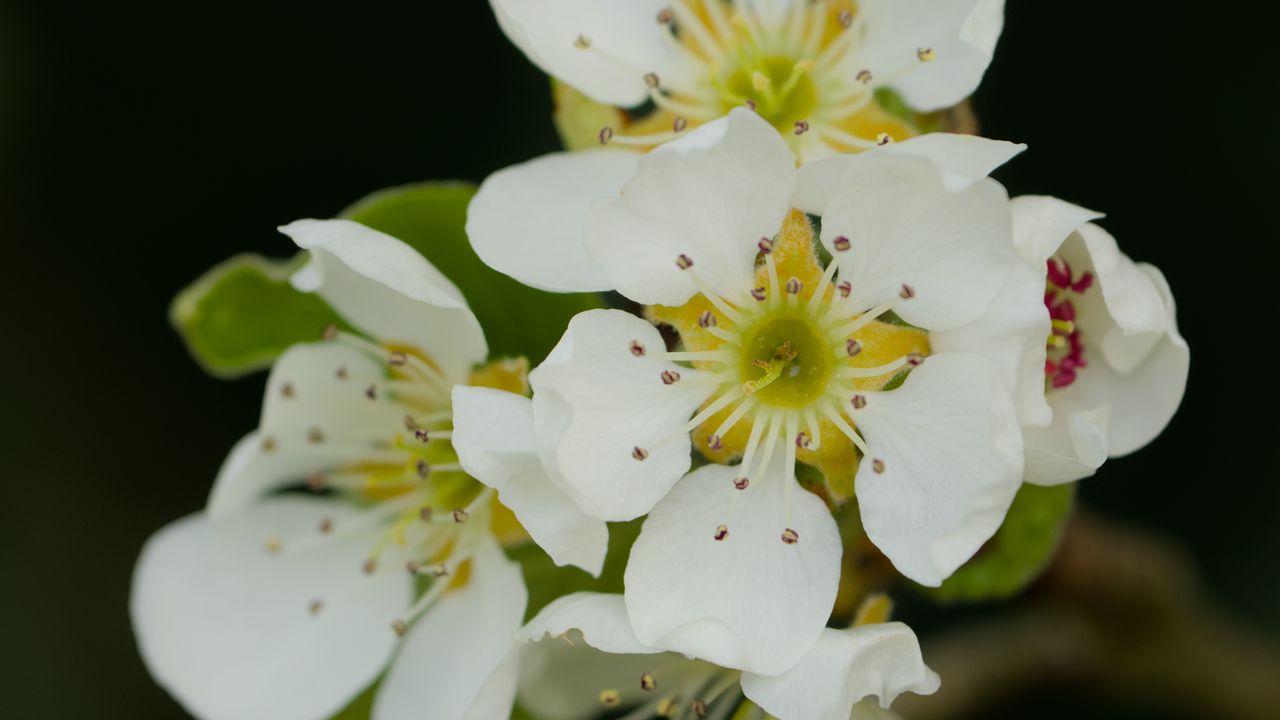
[546,582]
[517,320]
[243,313]
[1020,550]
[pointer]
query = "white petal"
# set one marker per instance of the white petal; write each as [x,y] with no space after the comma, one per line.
[389,290]
[626,42]
[1136,309]
[842,668]
[528,220]
[711,195]
[496,697]
[962,34]
[1041,224]
[493,435]
[305,394]
[228,627]
[600,618]
[1072,447]
[594,402]
[452,650]
[749,601]
[954,249]
[1011,334]
[963,159]
[952,462]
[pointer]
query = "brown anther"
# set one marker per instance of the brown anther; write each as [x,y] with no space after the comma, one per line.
[801,127]
[715,442]
[790,537]
[326,526]
[341,372]
[859,402]
[400,627]
[877,465]
[425,513]
[803,441]
[670,377]
[699,707]
[722,532]
[845,19]
[582,42]
[915,359]
[268,444]
[315,436]
[315,607]
[651,79]
[864,77]
[371,392]
[841,243]
[423,467]
[648,682]
[422,435]
[286,390]
[606,134]
[637,349]
[369,566]
[794,286]
[460,515]
[684,262]
[759,294]
[316,482]
[639,453]
[853,347]
[330,332]
[679,124]
[750,105]
[610,698]
[664,16]
[707,319]
[926,54]
[412,567]
[844,288]
[741,483]
[884,138]
[766,245]
[907,292]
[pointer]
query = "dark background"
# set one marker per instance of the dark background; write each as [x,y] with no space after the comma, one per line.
[143,141]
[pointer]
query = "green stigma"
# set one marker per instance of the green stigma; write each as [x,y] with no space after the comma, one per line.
[780,88]
[784,360]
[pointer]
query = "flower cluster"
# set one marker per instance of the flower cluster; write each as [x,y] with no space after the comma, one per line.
[825,327]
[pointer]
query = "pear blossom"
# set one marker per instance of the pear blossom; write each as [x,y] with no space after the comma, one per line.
[811,69]
[286,604]
[785,362]
[581,655]
[1116,366]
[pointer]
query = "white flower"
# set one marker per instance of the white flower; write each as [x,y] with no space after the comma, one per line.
[811,69]
[1117,368]
[285,605]
[583,654]
[789,363]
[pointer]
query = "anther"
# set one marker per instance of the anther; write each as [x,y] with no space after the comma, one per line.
[664,16]
[790,537]
[679,124]
[610,698]
[715,442]
[915,359]
[651,79]
[845,18]
[648,682]
[842,243]
[859,402]
[582,42]
[425,513]
[907,292]
[397,359]
[853,347]
[272,544]
[316,482]
[741,483]
[684,262]
[884,138]
[750,105]
[803,441]
[606,134]
[460,515]
[802,127]
[707,319]
[670,377]
[371,392]
[637,349]
[315,607]
[864,77]
[422,435]
[794,286]
[668,708]
[722,532]
[330,332]
[413,567]
[341,372]
[286,390]
[844,288]
[315,436]
[268,444]
[700,707]
[759,294]
[877,465]
[766,245]
[926,54]
[639,453]
[400,627]
[326,525]
[369,566]
[423,467]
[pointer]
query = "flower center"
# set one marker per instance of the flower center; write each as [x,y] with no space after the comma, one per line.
[779,87]
[784,360]
[1066,352]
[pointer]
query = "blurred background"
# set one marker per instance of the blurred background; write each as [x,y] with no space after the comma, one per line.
[141,142]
